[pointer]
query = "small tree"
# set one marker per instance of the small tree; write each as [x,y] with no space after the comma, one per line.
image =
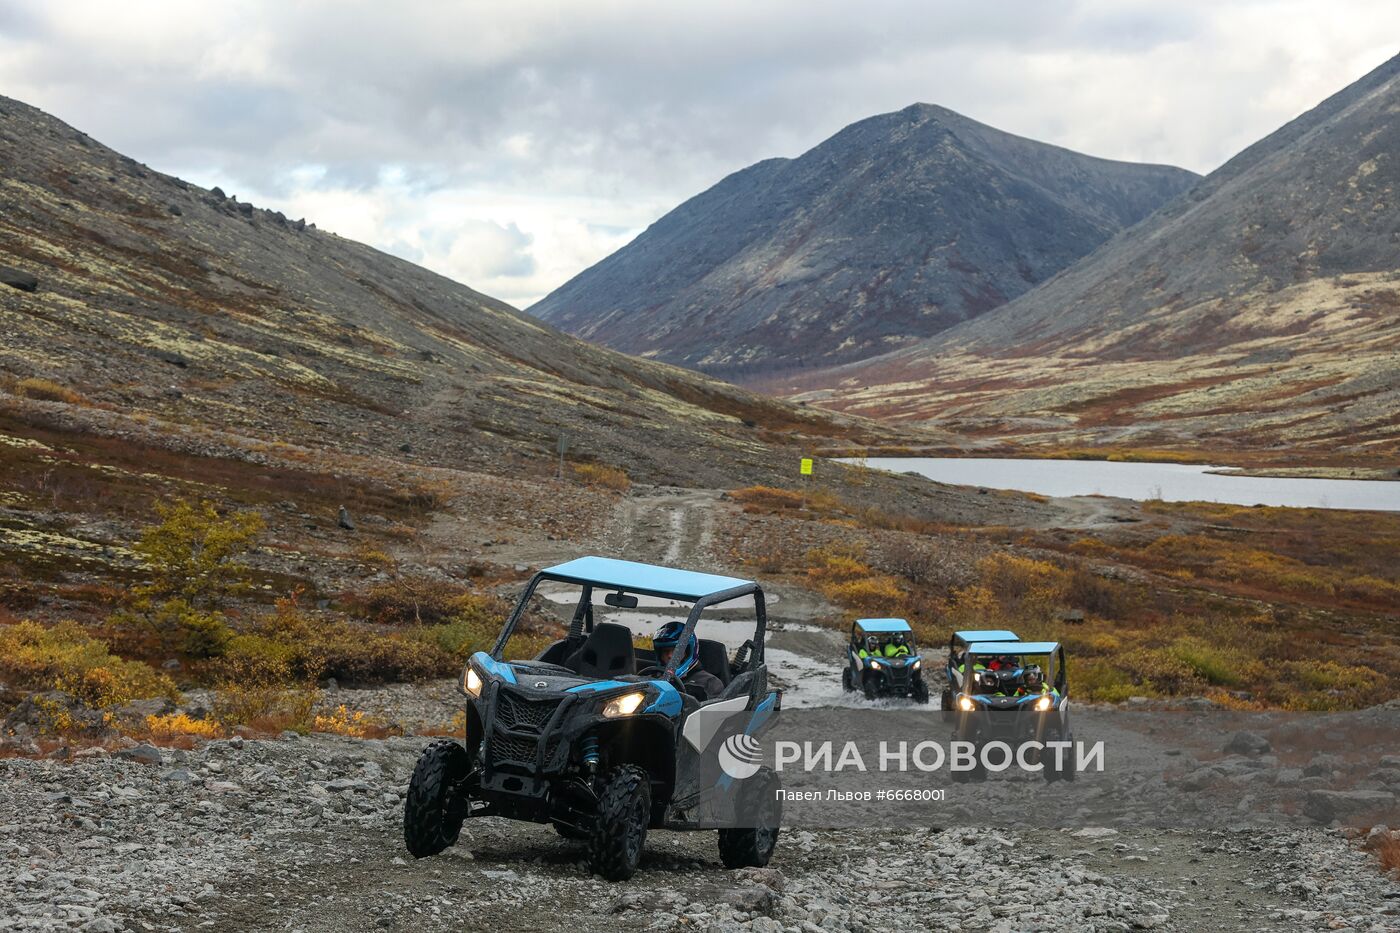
[195,560]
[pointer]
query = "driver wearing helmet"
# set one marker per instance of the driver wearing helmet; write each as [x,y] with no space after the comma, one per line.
[871,648]
[897,648]
[1033,683]
[698,682]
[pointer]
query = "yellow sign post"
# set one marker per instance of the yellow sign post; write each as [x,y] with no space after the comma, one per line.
[806,466]
[806,470]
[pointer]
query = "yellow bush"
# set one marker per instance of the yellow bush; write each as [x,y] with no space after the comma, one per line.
[195,555]
[66,658]
[871,594]
[356,724]
[975,607]
[178,724]
[1035,587]
[598,474]
[46,390]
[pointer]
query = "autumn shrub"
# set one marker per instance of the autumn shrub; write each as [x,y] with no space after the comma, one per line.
[766,498]
[174,725]
[65,657]
[354,723]
[46,390]
[1213,663]
[1023,585]
[1103,681]
[291,645]
[424,600]
[876,594]
[599,474]
[195,561]
[759,499]
[975,606]
[921,562]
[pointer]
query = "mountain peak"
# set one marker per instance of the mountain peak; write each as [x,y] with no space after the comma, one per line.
[898,226]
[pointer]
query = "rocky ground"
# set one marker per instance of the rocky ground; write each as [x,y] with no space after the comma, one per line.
[304,834]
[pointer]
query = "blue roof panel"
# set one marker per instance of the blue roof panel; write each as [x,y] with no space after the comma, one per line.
[1013,647]
[991,634]
[632,577]
[883,625]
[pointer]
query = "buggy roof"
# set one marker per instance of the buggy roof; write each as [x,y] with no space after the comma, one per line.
[881,626]
[647,579]
[991,634]
[1013,647]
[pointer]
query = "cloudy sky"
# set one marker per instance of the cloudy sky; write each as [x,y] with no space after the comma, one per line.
[511,144]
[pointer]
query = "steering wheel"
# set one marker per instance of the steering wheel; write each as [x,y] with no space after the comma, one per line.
[658,672]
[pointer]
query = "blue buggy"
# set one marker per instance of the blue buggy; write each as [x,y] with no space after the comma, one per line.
[957,647]
[1014,692]
[605,740]
[882,660]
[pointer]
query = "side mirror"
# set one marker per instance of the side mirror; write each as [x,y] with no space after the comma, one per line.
[621,601]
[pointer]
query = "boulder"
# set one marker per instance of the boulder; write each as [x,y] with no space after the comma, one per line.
[18,279]
[135,712]
[144,753]
[343,519]
[1323,765]
[1247,743]
[54,710]
[1324,806]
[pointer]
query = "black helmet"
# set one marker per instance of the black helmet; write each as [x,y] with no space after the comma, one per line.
[871,642]
[1034,677]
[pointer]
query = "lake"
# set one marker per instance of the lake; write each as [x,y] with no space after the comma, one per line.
[1173,482]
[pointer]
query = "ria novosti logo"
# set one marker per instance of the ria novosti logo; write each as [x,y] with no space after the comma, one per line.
[740,756]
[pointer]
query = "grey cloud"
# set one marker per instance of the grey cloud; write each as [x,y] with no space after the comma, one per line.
[631,103]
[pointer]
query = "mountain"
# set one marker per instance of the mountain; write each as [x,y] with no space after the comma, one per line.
[140,295]
[897,227]
[1260,309]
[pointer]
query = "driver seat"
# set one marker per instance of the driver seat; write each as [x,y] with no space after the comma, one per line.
[607,653]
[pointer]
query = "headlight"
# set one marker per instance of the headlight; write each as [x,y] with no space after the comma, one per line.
[625,705]
[471,682]
[966,704]
[1044,703]
[916,664]
[875,662]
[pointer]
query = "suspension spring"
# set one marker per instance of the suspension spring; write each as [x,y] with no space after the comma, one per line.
[589,751]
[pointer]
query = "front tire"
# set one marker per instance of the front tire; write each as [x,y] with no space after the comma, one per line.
[433,810]
[624,810]
[919,690]
[871,690]
[752,847]
[847,684]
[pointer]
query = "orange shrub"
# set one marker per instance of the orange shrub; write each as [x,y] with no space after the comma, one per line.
[598,474]
[178,724]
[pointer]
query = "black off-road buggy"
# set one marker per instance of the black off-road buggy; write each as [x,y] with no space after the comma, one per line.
[597,738]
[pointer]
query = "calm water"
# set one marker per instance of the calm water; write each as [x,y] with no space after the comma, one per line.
[1173,482]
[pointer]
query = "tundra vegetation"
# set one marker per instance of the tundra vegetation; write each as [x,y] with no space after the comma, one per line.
[1251,607]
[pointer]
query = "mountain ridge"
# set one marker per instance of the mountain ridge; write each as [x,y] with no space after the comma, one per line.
[1262,307]
[894,227]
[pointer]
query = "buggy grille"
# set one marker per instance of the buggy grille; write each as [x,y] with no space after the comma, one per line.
[518,749]
[514,712]
[512,748]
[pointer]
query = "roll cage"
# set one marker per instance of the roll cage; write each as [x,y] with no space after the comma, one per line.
[1055,675]
[702,590]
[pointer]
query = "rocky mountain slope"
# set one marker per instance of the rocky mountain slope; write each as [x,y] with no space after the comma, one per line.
[135,293]
[1263,309]
[895,228]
